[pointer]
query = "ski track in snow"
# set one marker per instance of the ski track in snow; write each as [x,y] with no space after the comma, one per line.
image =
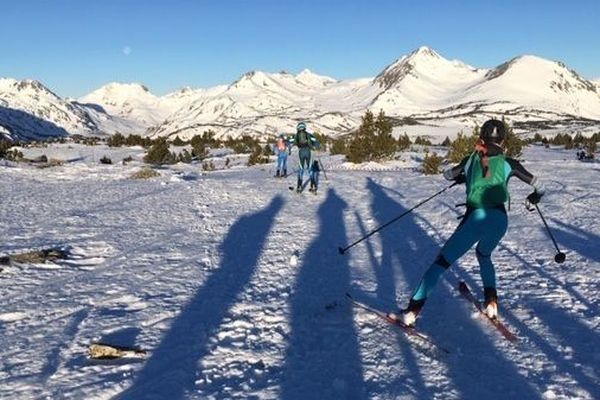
[201,273]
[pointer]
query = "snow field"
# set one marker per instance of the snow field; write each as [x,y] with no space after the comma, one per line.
[234,285]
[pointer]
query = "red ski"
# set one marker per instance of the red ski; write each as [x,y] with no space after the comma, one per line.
[467,294]
[409,330]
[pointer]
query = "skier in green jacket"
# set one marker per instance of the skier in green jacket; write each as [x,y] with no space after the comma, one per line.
[486,173]
[305,141]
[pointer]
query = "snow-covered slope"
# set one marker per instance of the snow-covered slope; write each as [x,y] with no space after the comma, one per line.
[529,91]
[258,103]
[423,92]
[29,110]
[134,102]
[533,83]
[437,94]
[234,285]
[423,80]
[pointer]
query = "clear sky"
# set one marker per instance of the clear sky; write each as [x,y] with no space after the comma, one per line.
[75,46]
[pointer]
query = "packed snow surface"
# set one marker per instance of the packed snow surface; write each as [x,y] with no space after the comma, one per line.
[235,287]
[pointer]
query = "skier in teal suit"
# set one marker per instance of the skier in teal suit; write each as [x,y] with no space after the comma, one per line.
[305,141]
[486,173]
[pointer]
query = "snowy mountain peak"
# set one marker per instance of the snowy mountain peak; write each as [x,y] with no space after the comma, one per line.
[309,78]
[29,86]
[118,92]
[184,90]
[132,101]
[528,68]
[424,52]
[250,80]
[422,62]
[29,111]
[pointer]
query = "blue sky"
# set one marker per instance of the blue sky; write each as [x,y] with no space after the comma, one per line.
[76,46]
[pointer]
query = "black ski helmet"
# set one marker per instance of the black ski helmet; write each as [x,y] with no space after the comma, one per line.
[493,131]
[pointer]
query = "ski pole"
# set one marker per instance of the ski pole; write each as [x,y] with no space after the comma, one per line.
[322,168]
[560,256]
[342,250]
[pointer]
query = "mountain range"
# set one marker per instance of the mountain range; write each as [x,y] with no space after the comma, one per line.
[423,92]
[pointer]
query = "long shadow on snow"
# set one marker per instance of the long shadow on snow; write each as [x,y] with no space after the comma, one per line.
[583,242]
[410,245]
[172,369]
[524,267]
[322,358]
[572,333]
[569,333]
[386,293]
[592,309]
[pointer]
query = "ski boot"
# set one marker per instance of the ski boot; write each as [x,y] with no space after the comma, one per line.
[299,186]
[284,174]
[490,303]
[277,174]
[408,316]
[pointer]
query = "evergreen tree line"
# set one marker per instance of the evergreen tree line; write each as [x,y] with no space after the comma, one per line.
[159,151]
[589,144]
[373,141]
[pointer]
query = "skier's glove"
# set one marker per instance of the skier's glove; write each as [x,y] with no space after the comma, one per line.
[460,179]
[449,175]
[534,197]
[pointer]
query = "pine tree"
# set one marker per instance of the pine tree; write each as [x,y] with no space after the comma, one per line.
[185,156]
[159,153]
[267,150]
[199,150]
[419,140]
[568,142]
[178,142]
[373,140]
[462,146]
[5,145]
[403,142]
[590,146]
[384,146]
[338,146]
[116,140]
[431,163]
[257,157]
[359,147]
[513,145]
[323,140]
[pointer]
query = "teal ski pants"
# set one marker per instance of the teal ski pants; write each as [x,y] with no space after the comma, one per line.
[304,158]
[484,226]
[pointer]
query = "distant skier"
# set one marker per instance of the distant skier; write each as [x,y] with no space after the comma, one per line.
[314,176]
[486,173]
[282,148]
[305,141]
